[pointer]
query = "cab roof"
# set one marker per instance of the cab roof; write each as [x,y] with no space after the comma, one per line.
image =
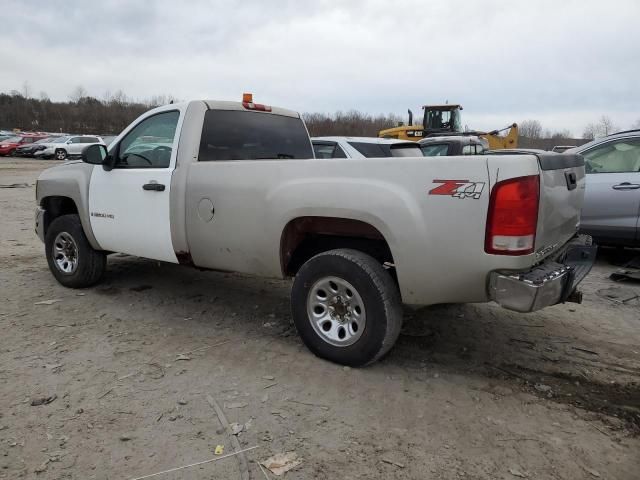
[226,105]
[448,106]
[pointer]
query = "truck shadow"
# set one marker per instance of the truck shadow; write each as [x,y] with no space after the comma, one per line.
[542,353]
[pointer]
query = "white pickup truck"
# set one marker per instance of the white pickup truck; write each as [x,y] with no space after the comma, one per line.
[234,186]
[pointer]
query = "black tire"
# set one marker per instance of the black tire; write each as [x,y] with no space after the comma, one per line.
[90,264]
[61,154]
[377,291]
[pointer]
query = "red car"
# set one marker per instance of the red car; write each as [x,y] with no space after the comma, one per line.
[9,145]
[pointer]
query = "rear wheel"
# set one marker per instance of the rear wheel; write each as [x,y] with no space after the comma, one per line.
[346,307]
[61,154]
[72,260]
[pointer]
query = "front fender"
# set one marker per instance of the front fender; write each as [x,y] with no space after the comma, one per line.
[70,180]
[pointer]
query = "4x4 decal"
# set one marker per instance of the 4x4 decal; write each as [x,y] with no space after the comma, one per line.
[458,188]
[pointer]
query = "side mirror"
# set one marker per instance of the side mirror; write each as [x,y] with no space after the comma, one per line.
[94,154]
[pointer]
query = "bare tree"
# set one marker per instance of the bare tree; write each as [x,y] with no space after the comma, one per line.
[26,90]
[351,123]
[603,127]
[560,134]
[606,125]
[530,129]
[590,131]
[78,94]
[44,96]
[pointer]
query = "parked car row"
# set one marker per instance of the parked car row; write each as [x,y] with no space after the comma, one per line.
[370,147]
[46,146]
[9,145]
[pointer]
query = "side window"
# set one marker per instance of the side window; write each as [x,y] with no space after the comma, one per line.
[150,143]
[324,150]
[473,149]
[27,140]
[614,157]
[435,150]
[89,140]
[76,140]
[328,150]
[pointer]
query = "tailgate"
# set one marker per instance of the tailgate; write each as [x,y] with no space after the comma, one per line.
[562,183]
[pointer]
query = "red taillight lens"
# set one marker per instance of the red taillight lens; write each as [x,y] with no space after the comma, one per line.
[513,216]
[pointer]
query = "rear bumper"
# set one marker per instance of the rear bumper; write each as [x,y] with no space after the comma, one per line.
[553,281]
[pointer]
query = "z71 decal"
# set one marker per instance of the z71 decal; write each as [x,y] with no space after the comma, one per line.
[458,188]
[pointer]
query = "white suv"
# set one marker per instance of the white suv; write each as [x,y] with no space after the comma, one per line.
[67,147]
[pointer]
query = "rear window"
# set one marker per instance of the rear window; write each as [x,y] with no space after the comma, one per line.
[435,150]
[238,135]
[370,150]
[406,150]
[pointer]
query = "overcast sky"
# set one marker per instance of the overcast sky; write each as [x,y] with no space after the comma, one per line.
[564,63]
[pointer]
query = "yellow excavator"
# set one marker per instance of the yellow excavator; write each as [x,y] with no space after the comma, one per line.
[445,120]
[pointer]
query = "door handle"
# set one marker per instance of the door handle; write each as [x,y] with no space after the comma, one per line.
[626,186]
[156,187]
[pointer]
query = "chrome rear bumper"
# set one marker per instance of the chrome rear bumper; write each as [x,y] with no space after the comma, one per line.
[553,281]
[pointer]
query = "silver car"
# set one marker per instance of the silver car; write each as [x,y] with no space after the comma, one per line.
[612,197]
[68,147]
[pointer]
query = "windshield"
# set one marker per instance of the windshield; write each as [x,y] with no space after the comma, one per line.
[12,140]
[60,140]
[443,120]
[44,140]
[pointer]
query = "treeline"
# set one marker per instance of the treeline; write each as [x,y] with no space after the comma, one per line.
[108,116]
[351,124]
[85,115]
[111,114]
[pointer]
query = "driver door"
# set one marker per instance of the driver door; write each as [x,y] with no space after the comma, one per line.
[130,205]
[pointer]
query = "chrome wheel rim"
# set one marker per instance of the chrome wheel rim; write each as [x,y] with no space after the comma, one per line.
[61,155]
[65,253]
[336,311]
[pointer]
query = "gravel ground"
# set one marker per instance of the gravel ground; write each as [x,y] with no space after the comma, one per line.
[128,371]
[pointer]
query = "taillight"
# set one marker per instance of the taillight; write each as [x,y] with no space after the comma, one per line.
[513,216]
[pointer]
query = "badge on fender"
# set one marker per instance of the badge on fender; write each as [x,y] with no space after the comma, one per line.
[458,188]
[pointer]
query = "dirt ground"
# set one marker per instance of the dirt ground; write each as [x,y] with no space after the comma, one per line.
[131,367]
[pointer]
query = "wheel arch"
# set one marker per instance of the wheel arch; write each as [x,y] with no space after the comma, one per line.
[64,190]
[55,206]
[306,236]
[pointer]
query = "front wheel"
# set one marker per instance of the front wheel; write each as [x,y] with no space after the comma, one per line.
[61,154]
[72,260]
[346,307]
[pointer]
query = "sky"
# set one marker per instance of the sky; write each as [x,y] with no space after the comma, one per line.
[562,62]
